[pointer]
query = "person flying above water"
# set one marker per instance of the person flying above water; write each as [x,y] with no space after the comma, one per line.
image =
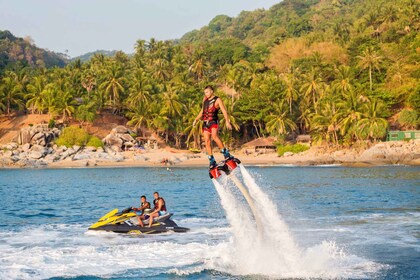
[209,115]
[160,208]
[144,207]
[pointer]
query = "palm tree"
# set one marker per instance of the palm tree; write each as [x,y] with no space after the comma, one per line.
[344,79]
[36,91]
[140,116]
[12,94]
[371,125]
[311,87]
[290,93]
[140,89]
[172,107]
[368,60]
[326,123]
[193,131]
[232,113]
[279,122]
[113,86]
[199,66]
[64,104]
[350,113]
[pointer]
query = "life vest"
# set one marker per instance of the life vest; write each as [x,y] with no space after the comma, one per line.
[209,110]
[156,203]
[147,206]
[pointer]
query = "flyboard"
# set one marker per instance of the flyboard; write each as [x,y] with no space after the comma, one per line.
[227,166]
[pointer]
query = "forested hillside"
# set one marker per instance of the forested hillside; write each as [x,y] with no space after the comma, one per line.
[21,52]
[87,56]
[340,70]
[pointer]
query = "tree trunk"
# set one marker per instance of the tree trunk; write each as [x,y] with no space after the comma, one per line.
[256,129]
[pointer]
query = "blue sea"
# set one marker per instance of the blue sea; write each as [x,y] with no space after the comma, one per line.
[320,222]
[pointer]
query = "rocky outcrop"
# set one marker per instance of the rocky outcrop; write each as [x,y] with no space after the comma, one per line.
[35,148]
[37,135]
[119,139]
[394,152]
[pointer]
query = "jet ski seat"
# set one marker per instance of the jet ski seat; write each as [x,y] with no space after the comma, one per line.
[162,218]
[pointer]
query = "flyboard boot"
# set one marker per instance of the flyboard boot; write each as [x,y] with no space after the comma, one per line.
[226,165]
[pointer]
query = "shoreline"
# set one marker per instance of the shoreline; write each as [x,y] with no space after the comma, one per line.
[266,160]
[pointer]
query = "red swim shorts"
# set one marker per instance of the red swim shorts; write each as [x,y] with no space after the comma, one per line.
[209,128]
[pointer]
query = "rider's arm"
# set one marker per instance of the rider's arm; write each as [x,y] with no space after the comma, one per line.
[198,117]
[158,208]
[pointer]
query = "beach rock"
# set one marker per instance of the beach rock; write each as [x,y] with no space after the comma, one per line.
[24,136]
[288,154]
[37,136]
[26,147]
[51,158]
[126,137]
[69,152]
[15,158]
[81,156]
[7,154]
[116,149]
[120,130]
[35,155]
[118,157]
[76,148]
[113,140]
[39,148]
[90,149]
[12,146]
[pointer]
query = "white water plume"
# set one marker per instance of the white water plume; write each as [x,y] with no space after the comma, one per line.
[275,253]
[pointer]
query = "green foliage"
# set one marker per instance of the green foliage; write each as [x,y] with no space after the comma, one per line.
[409,119]
[51,123]
[73,135]
[95,142]
[295,148]
[337,70]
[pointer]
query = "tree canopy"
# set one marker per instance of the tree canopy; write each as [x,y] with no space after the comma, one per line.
[338,70]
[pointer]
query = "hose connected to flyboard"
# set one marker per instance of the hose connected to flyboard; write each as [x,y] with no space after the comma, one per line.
[251,204]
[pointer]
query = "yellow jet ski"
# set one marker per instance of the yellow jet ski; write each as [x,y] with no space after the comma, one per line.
[125,221]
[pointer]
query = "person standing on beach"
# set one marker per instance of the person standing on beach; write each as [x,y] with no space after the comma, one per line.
[209,115]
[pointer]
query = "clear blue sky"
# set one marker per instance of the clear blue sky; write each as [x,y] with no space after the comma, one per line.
[81,26]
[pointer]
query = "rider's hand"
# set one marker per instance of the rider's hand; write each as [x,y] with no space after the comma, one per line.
[228,125]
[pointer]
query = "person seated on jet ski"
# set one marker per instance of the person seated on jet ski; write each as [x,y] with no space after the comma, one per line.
[144,206]
[160,208]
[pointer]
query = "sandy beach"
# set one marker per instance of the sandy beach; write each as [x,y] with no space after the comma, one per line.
[384,154]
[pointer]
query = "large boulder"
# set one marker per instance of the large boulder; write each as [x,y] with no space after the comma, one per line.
[24,136]
[81,156]
[25,147]
[35,155]
[119,130]
[113,140]
[126,137]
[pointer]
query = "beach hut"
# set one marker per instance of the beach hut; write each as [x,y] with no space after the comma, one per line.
[261,145]
[304,139]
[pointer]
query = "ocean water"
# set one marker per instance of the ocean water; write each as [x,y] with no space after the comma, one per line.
[319,222]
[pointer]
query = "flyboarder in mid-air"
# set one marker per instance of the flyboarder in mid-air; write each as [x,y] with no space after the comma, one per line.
[209,115]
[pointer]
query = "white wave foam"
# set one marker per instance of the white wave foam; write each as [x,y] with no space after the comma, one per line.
[276,253]
[73,253]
